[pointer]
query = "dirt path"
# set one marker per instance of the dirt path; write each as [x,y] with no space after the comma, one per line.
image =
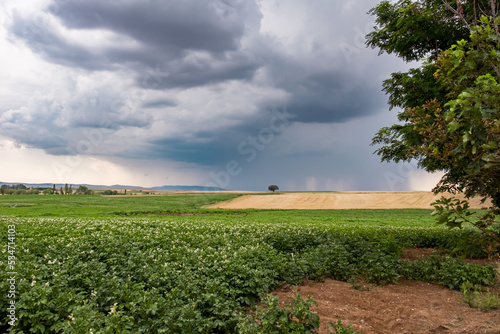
[337,200]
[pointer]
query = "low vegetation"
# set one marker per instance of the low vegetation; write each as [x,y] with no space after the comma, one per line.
[205,271]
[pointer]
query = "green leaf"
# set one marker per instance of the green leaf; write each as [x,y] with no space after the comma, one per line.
[453,126]
[466,137]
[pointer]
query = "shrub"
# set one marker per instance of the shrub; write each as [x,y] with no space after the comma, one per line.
[110,192]
[295,317]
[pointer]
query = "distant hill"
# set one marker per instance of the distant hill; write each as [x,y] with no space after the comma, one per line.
[192,188]
[116,186]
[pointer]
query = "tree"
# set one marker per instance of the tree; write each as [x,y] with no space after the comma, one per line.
[450,118]
[83,190]
[273,188]
[110,192]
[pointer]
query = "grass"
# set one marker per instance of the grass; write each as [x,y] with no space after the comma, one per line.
[93,206]
[479,297]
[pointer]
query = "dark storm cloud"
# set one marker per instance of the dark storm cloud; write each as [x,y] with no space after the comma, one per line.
[159,103]
[38,130]
[242,143]
[58,124]
[193,58]
[44,40]
[173,25]
[323,93]
[104,109]
[331,98]
[200,70]
[330,106]
[209,152]
[161,32]
[166,43]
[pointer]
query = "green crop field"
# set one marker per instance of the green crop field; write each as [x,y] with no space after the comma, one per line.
[165,264]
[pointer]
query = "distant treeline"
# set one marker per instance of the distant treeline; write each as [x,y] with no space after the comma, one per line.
[21,189]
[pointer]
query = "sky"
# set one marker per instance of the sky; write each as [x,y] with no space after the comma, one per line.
[237,94]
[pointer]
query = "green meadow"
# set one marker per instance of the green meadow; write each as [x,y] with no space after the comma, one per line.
[191,206]
[167,264]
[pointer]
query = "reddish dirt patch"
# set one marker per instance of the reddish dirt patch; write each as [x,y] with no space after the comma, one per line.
[416,253]
[409,307]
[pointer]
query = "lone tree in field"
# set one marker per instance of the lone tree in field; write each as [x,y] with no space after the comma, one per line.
[451,104]
[273,188]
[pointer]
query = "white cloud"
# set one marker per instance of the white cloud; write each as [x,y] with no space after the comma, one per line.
[33,165]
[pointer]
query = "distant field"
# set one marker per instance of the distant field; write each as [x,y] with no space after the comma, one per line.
[338,200]
[98,206]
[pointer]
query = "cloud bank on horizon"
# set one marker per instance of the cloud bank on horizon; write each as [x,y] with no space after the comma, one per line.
[232,93]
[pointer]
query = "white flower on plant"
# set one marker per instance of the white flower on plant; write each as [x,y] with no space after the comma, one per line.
[47,284]
[3,250]
[33,283]
[71,317]
[113,308]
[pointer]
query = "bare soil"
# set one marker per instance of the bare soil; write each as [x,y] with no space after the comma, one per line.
[338,200]
[410,307]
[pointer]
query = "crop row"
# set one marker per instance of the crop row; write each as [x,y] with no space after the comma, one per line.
[200,275]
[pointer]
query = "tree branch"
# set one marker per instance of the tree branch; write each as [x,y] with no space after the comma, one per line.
[459,14]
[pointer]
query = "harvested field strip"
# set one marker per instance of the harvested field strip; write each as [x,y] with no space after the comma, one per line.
[338,200]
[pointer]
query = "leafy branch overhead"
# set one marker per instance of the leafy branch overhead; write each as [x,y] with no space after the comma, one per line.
[450,118]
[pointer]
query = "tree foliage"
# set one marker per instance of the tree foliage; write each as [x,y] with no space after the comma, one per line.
[273,188]
[450,118]
[415,29]
[83,190]
[110,192]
